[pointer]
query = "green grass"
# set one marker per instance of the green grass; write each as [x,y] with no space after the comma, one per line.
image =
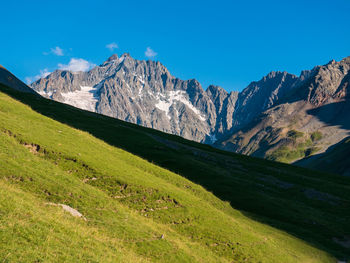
[292,152]
[316,136]
[294,134]
[337,154]
[230,207]
[299,146]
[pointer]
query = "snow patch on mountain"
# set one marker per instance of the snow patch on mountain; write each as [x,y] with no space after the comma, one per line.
[164,106]
[121,59]
[85,98]
[167,101]
[46,94]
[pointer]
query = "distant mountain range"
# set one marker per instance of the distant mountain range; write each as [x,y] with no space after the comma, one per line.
[293,117]
[282,117]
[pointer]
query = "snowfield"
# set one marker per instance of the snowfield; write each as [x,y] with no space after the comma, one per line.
[165,103]
[85,98]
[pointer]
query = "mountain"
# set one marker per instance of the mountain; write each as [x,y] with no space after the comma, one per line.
[261,95]
[8,79]
[286,118]
[145,93]
[74,188]
[281,117]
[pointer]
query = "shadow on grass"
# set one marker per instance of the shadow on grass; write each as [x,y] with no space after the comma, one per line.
[338,153]
[269,192]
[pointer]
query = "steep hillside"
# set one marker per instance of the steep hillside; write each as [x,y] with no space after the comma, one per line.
[307,117]
[335,159]
[55,154]
[8,79]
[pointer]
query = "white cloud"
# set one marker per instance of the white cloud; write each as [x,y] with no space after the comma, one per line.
[77,64]
[150,53]
[112,46]
[57,51]
[43,73]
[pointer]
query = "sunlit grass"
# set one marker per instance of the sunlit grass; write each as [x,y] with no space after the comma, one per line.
[135,210]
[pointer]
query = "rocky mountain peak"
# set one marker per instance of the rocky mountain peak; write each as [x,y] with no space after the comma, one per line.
[315,102]
[272,74]
[138,91]
[144,92]
[215,90]
[346,60]
[331,62]
[279,75]
[261,95]
[113,57]
[323,84]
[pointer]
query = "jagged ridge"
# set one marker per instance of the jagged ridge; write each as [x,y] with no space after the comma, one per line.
[254,121]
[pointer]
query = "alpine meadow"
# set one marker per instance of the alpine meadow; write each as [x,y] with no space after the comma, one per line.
[187,131]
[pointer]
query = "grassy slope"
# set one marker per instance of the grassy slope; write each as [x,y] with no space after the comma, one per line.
[297,145]
[130,203]
[338,154]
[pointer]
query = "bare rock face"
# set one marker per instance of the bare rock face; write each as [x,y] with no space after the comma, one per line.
[145,93]
[293,117]
[262,95]
[323,84]
[224,103]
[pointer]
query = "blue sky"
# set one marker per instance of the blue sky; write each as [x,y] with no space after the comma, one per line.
[227,43]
